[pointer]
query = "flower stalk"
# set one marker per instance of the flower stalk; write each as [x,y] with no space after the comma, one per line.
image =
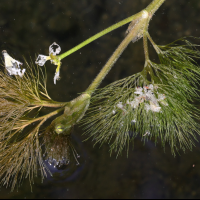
[100,34]
[151,8]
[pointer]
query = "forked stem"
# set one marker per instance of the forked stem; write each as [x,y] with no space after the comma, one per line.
[155,46]
[154,6]
[132,36]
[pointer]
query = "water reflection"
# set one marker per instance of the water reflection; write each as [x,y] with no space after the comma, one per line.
[72,168]
[148,172]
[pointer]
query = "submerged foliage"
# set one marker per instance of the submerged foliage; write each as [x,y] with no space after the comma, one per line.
[20,151]
[156,103]
[21,100]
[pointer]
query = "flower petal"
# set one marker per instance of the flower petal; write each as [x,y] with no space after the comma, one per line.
[56,51]
[9,61]
[41,60]
[12,65]
[15,71]
[57,76]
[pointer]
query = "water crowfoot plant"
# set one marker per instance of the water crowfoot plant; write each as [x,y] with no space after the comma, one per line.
[158,100]
[156,103]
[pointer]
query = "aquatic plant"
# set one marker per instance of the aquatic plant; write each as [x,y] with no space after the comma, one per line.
[156,103]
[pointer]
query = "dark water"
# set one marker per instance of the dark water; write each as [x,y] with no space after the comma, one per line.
[28,27]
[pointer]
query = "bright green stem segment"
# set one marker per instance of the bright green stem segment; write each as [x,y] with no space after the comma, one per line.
[98,35]
[152,8]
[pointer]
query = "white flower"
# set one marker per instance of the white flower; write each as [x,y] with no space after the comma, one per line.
[12,65]
[41,59]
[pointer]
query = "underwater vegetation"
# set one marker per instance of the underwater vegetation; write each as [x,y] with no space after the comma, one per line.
[158,103]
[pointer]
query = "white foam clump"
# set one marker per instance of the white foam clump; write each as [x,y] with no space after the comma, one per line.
[12,65]
[146,94]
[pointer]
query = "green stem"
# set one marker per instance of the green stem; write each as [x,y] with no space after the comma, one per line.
[133,34]
[157,49]
[146,49]
[142,24]
[45,117]
[145,42]
[154,6]
[98,35]
[146,53]
[52,104]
